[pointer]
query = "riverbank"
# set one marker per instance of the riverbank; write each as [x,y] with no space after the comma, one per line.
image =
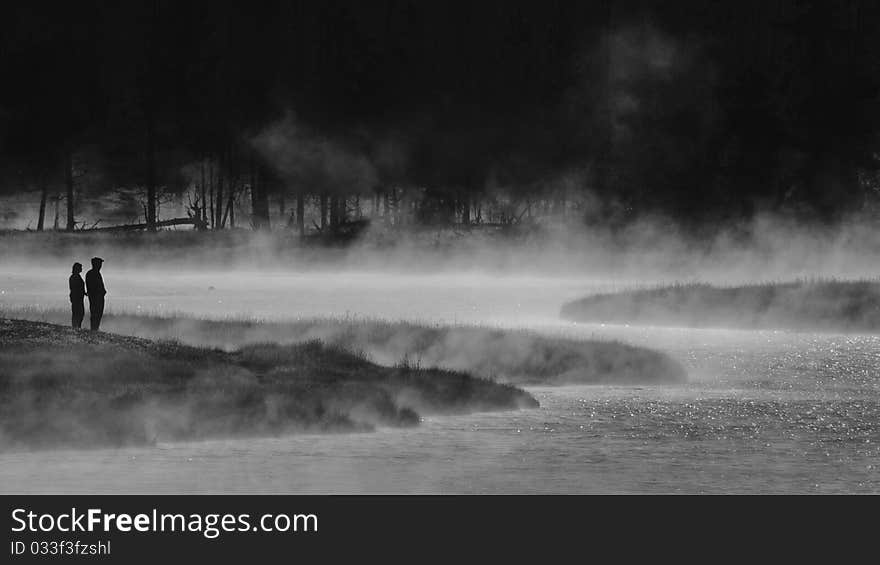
[516,357]
[63,387]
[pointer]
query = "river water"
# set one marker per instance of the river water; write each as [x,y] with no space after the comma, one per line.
[763,411]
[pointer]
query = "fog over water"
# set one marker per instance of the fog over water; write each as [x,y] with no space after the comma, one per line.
[763,411]
[434,297]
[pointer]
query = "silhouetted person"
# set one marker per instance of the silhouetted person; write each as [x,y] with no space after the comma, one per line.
[77,292]
[96,291]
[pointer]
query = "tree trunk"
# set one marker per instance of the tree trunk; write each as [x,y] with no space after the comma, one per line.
[68,181]
[300,213]
[255,199]
[44,194]
[211,182]
[259,200]
[204,203]
[57,206]
[323,206]
[218,222]
[334,211]
[148,105]
[151,174]
[341,210]
[397,198]
[263,195]
[230,207]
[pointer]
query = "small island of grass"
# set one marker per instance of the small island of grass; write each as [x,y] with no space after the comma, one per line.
[821,305]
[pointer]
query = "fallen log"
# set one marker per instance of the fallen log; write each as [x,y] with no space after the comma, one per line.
[135,227]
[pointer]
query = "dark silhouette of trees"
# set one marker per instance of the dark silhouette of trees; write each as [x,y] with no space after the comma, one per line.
[439,113]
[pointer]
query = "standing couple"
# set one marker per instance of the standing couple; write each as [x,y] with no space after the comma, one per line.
[93,288]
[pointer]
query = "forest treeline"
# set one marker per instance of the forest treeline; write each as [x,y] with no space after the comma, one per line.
[318,113]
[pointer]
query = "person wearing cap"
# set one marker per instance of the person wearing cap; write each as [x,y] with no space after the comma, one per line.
[95,291]
[77,292]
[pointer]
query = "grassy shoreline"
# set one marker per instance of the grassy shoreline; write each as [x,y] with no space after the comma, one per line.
[62,387]
[516,357]
[814,305]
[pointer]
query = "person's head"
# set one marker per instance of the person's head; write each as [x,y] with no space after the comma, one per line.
[96,263]
[77,268]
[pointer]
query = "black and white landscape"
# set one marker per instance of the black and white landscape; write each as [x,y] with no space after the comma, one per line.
[440,247]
